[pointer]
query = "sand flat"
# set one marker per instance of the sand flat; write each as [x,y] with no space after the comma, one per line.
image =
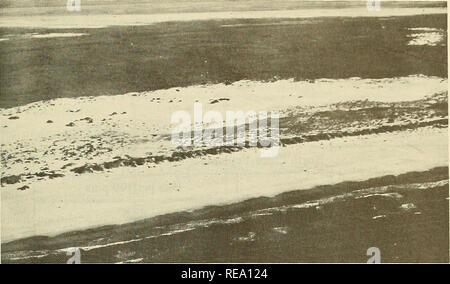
[128,194]
[50,135]
[125,126]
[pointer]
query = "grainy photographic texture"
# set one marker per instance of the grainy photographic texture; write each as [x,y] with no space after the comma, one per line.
[223,131]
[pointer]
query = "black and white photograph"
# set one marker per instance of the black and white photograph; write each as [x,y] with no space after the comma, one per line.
[224,132]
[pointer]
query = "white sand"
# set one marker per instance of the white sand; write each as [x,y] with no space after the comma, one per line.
[99,21]
[431,39]
[145,116]
[53,35]
[425,29]
[146,108]
[38,36]
[426,36]
[127,194]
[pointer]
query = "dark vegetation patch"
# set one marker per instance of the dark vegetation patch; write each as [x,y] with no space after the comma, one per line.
[18,178]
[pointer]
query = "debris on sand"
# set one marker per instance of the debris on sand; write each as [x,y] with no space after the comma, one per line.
[219,100]
[10,179]
[88,119]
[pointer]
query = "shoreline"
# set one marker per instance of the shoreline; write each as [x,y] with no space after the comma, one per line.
[65,174]
[358,157]
[102,133]
[102,21]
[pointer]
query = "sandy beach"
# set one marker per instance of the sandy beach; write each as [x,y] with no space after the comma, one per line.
[133,126]
[101,21]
